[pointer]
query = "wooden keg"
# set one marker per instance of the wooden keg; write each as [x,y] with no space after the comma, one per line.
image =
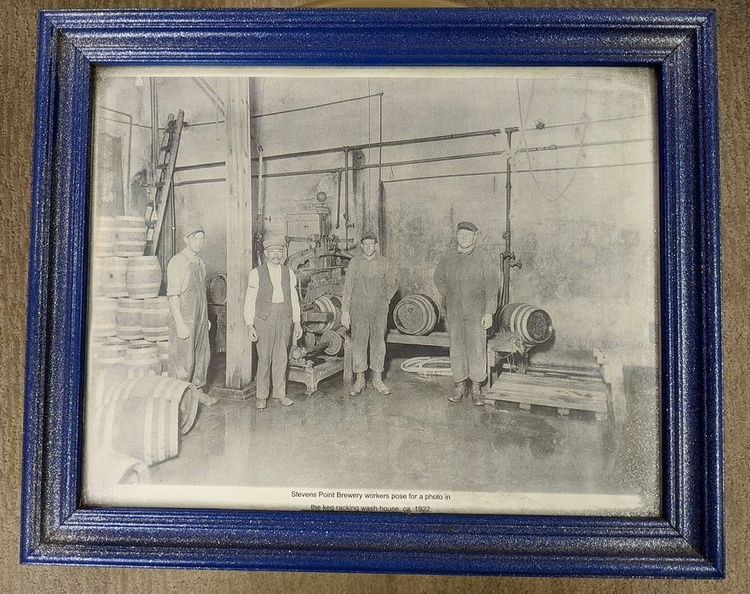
[129,322]
[416,315]
[142,359]
[103,382]
[143,279]
[217,290]
[97,276]
[532,324]
[107,388]
[130,236]
[145,428]
[105,236]
[181,396]
[110,353]
[155,319]
[111,279]
[330,304]
[116,468]
[103,314]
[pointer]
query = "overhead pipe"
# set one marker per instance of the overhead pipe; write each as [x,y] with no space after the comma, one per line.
[551,147]
[443,137]
[329,170]
[317,106]
[454,175]
[548,169]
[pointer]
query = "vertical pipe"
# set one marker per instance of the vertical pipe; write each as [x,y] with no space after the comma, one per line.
[346,193]
[173,226]
[258,247]
[154,125]
[507,255]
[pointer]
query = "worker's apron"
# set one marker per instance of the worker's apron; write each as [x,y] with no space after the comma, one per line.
[189,358]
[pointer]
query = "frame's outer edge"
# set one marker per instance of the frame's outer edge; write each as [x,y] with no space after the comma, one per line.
[691,295]
[687,542]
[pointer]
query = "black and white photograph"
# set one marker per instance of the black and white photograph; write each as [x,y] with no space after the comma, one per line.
[411,290]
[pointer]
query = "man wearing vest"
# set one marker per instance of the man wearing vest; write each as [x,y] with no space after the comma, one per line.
[271,310]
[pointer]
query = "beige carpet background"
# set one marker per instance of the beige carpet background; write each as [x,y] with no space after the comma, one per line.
[17,51]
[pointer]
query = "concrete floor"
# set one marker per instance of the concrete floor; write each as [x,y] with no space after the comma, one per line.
[412,439]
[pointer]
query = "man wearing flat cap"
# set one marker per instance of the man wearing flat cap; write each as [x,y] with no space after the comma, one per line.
[271,312]
[469,284]
[368,289]
[189,349]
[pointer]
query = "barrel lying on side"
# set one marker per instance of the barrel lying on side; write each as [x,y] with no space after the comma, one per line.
[532,324]
[416,315]
[116,468]
[143,417]
[144,428]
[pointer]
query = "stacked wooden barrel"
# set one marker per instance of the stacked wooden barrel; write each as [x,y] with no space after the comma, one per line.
[137,414]
[128,317]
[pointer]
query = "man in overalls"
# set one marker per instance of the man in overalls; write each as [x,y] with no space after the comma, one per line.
[469,283]
[368,289]
[271,310]
[189,350]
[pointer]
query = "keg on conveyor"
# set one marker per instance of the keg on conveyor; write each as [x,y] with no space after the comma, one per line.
[532,324]
[327,304]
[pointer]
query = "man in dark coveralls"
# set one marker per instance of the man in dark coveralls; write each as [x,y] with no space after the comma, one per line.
[189,350]
[271,311]
[368,289]
[467,280]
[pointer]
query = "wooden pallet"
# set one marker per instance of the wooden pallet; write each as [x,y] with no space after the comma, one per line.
[562,394]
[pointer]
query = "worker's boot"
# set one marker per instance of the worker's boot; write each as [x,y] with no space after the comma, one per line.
[205,399]
[476,394]
[358,386]
[377,383]
[285,401]
[459,392]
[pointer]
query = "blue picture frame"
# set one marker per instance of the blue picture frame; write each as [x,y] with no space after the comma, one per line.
[686,541]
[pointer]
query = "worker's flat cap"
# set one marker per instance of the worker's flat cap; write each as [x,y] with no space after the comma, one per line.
[468,226]
[274,241]
[368,235]
[192,228]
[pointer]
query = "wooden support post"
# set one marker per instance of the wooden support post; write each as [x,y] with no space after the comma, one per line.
[240,219]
